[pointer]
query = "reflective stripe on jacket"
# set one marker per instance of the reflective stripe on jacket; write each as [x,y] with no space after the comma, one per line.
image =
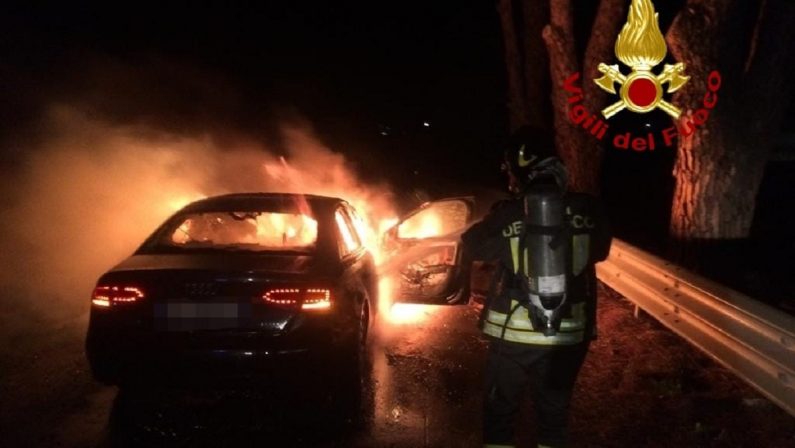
[520,328]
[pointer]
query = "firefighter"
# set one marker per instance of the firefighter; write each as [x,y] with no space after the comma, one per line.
[539,314]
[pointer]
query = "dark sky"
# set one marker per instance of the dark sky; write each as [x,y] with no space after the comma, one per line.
[354,71]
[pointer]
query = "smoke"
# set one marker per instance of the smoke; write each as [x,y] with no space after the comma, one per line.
[90,191]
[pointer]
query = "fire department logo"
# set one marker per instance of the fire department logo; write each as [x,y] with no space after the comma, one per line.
[641,46]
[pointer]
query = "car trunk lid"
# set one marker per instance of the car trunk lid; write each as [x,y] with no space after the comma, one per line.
[215,292]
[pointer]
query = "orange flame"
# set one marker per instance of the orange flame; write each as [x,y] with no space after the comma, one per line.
[299,229]
[430,225]
[375,217]
[400,313]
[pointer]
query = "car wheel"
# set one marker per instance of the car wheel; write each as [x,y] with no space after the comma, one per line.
[356,360]
[346,396]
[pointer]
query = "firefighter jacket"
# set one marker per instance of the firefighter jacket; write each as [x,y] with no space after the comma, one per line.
[496,239]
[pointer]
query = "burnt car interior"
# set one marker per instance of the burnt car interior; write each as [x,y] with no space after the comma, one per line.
[425,254]
[245,230]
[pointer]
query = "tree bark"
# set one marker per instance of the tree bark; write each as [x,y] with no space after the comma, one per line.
[517,106]
[535,15]
[581,153]
[719,167]
[559,39]
[610,16]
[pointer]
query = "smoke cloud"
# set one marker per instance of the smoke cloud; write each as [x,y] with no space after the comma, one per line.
[90,191]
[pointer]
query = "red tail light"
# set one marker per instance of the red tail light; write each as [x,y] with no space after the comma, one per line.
[306,299]
[316,299]
[106,296]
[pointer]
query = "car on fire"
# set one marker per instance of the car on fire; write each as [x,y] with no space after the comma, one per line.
[241,283]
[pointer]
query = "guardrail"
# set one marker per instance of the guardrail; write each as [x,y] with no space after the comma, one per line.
[753,340]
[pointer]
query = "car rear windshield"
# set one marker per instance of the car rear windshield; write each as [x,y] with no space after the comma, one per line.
[241,230]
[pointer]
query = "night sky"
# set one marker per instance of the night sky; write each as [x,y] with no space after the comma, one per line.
[366,76]
[355,72]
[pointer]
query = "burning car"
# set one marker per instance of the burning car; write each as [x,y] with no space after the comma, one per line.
[243,282]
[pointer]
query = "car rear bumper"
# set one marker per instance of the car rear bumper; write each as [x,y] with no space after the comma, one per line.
[121,352]
[189,367]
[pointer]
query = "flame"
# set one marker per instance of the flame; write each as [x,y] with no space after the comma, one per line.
[102,222]
[300,229]
[370,204]
[400,313]
[429,225]
[409,313]
[347,237]
[179,201]
[375,216]
[386,224]
[268,229]
[640,43]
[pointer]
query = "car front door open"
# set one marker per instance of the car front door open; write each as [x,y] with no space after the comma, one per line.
[424,253]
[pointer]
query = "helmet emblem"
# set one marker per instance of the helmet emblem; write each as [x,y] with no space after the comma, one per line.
[523,162]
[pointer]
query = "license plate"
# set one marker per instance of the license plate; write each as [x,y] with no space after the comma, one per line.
[182,316]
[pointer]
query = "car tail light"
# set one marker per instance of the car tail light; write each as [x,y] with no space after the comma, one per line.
[316,299]
[106,296]
[306,299]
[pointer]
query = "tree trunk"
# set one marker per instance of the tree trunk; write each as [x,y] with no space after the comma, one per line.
[517,107]
[610,16]
[581,153]
[559,38]
[535,15]
[719,167]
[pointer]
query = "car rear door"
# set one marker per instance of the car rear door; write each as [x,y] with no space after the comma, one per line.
[423,253]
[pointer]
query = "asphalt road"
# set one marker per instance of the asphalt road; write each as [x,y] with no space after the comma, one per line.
[422,389]
[641,386]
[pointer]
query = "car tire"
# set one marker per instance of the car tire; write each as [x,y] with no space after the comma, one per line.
[348,386]
[355,360]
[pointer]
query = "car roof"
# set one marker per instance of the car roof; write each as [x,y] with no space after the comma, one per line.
[254,200]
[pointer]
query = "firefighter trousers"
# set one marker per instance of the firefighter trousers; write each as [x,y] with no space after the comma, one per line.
[549,371]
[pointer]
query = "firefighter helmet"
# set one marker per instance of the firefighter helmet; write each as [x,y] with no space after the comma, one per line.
[531,152]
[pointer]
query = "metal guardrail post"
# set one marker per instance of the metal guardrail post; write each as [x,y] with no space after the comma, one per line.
[753,340]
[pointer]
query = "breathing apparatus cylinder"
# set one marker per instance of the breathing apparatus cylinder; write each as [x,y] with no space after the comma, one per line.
[546,244]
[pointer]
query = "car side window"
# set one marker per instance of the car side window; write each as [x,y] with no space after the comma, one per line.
[349,239]
[358,224]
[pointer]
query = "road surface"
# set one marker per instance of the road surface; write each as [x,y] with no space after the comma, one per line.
[641,386]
